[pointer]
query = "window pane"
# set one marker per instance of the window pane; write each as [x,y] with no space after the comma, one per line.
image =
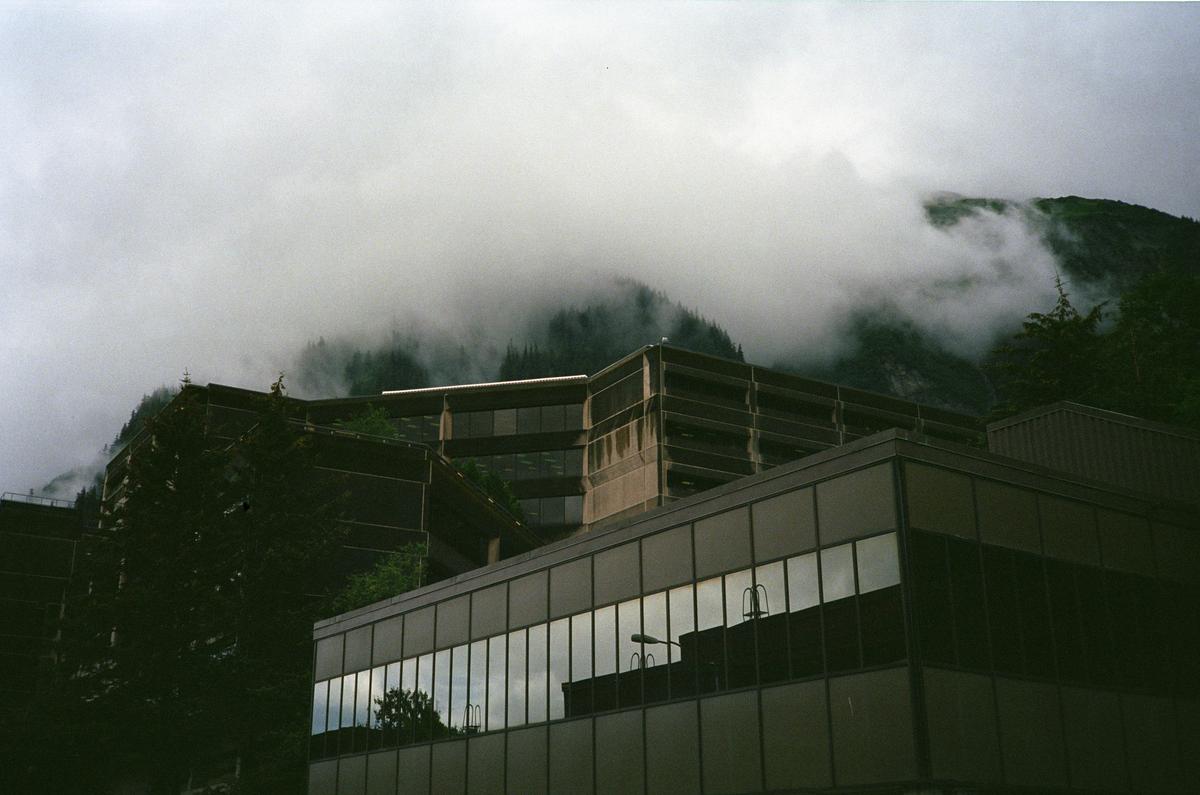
[682,614]
[476,688]
[376,704]
[573,417]
[551,464]
[804,589]
[560,666]
[1004,611]
[739,598]
[441,693]
[573,510]
[458,687]
[841,635]
[320,699]
[573,462]
[629,623]
[481,423]
[580,702]
[1035,615]
[772,623]
[878,563]
[931,596]
[740,602]
[526,466]
[497,691]
[710,641]
[505,465]
[656,656]
[362,710]
[604,691]
[408,688]
[423,702]
[505,422]
[837,573]
[970,620]
[516,678]
[538,667]
[552,418]
[529,420]
[335,708]
[347,701]
[552,511]
[1064,616]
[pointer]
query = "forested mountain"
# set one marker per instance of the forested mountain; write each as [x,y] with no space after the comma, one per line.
[557,340]
[1144,342]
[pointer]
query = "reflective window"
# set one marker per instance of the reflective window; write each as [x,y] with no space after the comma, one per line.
[458,687]
[320,704]
[771,622]
[538,673]
[497,691]
[573,462]
[804,589]
[516,678]
[423,701]
[505,422]
[655,656]
[682,613]
[560,666]
[629,652]
[878,563]
[473,720]
[580,700]
[376,704]
[741,609]
[604,693]
[529,420]
[710,640]
[837,573]
[335,710]
[441,693]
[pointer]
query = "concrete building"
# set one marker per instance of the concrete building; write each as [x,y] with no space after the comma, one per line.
[38,538]
[897,614]
[658,425]
[399,492]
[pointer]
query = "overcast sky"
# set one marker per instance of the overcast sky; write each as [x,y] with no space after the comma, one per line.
[207,186]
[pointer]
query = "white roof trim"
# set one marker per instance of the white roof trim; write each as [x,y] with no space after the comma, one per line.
[558,379]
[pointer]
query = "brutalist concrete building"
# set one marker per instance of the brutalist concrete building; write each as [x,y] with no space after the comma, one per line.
[661,424]
[896,614]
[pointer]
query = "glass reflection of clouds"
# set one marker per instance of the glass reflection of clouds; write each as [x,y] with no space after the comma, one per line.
[723,632]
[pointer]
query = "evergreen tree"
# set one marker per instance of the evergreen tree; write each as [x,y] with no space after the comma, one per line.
[190,628]
[1055,356]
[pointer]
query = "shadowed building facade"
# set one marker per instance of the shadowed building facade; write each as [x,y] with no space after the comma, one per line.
[897,614]
[656,426]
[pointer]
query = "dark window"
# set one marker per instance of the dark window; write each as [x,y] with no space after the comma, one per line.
[882,616]
[970,617]
[931,593]
[1004,609]
[1125,612]
[529,420]
[1068,629]
[481,423]
[552,418]
[573,462]
[573,417]
[573,510]
[1035,615]
[1096,636]
[804,616]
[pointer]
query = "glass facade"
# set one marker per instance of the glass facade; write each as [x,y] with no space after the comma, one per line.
[834,610]
[508,422]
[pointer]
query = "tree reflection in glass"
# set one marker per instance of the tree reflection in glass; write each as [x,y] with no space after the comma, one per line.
[424,694]
[441,692]
[375,738]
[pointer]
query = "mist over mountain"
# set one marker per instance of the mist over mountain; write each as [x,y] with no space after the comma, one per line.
[1103,249]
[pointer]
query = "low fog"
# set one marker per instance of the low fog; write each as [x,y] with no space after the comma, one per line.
[210,187]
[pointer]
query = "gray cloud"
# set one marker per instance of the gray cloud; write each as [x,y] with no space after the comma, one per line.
[209,187]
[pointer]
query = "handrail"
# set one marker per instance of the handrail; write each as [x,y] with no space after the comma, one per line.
[33,499]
